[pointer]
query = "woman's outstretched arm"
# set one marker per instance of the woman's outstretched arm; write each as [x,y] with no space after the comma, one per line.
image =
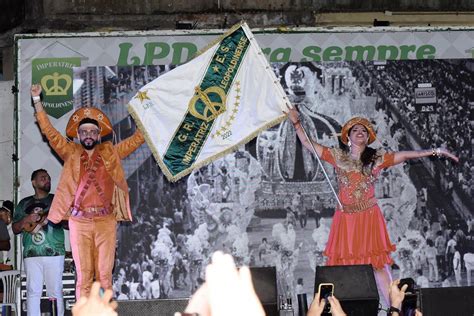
[402,156]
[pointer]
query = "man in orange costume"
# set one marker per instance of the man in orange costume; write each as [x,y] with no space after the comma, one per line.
[92,192]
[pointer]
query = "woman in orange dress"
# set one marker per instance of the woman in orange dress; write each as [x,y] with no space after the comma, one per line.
[358,232]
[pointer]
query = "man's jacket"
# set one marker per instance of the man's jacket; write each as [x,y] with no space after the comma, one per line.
[70,153]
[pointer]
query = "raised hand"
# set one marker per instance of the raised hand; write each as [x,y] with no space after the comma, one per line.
[294,115]
[227,291]
[231,291]
[95,304]
[336,308]
[443,152]
[397,295]
[316,307]
[36,90]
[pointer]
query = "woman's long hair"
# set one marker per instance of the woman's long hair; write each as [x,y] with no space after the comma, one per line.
[368,157]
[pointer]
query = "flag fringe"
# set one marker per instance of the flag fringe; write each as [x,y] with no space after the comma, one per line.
[154,151]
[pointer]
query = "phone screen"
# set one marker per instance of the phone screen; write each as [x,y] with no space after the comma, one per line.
[326,290]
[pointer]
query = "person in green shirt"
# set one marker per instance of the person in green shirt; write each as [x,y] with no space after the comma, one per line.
[43,245]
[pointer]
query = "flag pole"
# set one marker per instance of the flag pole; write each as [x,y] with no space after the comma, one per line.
[321,165]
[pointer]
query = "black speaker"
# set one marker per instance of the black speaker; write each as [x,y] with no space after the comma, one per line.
[264,282]
[354,287]
[447,301]
[162,307]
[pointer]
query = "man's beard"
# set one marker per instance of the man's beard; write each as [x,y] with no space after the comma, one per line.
[91,146]
[45,188]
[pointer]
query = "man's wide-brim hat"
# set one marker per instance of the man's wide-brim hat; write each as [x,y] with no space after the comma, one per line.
[354,121]
[92,113]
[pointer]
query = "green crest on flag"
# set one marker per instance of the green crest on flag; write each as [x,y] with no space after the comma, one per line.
[208,102]
[56,78]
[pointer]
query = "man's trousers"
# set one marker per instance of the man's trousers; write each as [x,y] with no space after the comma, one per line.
[93,242]
[48,270]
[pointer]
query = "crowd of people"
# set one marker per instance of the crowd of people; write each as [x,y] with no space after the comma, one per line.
[129,79]
[436,251]
[176,225]
[449,124]
[151,261]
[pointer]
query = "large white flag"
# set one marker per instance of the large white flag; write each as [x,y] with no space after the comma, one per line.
[209,106]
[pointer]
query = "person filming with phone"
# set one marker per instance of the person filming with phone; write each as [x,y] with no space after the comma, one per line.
[325,303]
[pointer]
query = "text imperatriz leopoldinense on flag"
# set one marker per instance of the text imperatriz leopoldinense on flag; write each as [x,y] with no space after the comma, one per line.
[209,106]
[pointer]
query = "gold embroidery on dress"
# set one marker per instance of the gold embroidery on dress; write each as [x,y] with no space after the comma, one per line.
[345,162]
[346,165]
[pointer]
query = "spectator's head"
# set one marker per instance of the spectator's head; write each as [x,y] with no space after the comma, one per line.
[451,234]
[419,272]
[6,211]
[134,275]
[7,206]
[41,181]
[264,240]
[430,242]
[124,289]
[439,233]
